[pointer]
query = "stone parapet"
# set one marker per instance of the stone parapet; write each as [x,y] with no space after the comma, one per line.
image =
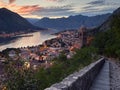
[80,80]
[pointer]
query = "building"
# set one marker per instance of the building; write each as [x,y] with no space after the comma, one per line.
[83,36]
[12,53]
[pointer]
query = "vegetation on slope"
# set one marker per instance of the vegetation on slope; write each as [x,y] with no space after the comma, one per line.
[108,42]
[21,79]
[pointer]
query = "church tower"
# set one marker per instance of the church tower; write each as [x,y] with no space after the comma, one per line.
[83,35]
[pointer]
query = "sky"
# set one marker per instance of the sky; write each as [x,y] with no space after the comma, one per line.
[59,8]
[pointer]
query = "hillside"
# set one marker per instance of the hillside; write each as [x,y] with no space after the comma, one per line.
[108,38]
[12,22]
[110,21]
[72,22]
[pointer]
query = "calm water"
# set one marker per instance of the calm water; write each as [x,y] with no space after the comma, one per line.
[36,39]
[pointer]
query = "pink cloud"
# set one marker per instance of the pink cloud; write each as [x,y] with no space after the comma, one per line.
[23,10]
[28,9]
[11,1]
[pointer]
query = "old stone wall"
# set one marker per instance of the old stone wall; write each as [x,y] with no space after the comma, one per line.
[81,80]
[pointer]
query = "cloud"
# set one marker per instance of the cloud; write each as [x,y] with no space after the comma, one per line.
[99,6]
[11,1]
[97,2]
[102,3]
[38,11]
[98,11]
[28,9]
[55,0]
[55,11]
[23,10]
[96,6]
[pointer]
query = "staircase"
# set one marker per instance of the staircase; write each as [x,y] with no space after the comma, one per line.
[100,75]
[102,81]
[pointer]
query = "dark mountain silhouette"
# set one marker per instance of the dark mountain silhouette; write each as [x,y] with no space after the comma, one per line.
[72,22]
[13,22]
[32,20]
[115,17]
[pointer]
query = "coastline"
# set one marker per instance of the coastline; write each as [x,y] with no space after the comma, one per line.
[28,34]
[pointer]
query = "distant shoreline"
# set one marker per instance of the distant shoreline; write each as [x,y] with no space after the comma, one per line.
[30,35]
[14,38]
[5,40]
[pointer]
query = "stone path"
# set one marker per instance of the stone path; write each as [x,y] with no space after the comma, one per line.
[115,75]
[102,81]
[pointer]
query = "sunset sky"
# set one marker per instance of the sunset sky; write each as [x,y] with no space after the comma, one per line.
[59,8]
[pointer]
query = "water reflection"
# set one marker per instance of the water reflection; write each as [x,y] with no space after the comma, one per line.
[36,39]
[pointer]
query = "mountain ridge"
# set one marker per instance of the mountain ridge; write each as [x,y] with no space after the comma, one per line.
[72,22]
[109,22]
[13,22]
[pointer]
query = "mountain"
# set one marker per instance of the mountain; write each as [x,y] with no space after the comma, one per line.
[72,22]
[107,38]
[111,21]
[12,22]
[32,20]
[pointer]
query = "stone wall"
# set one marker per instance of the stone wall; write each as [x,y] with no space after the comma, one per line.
[81,80]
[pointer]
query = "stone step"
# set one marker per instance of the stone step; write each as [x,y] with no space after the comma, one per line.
[102,81]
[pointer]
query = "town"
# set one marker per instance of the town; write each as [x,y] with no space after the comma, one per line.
[42,55]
